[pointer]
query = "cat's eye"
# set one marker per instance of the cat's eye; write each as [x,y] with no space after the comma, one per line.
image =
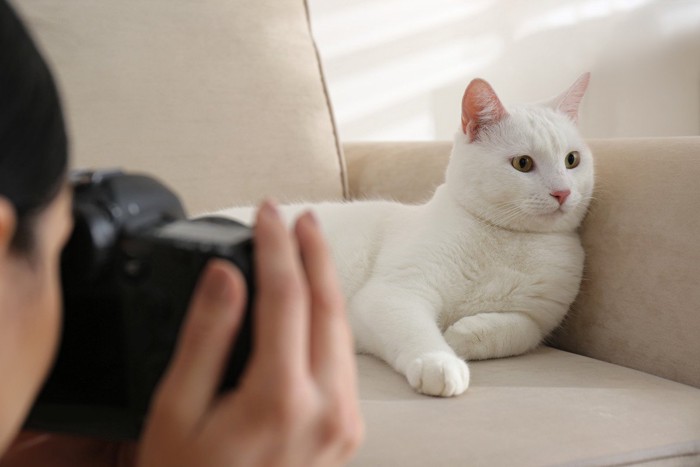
[522,163]
[573,159]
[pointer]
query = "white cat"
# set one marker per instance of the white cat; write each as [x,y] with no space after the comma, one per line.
[486,268]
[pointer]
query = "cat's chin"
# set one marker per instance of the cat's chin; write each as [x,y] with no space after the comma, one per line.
[557,220]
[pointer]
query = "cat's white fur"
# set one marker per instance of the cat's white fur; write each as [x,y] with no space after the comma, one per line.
[488,266]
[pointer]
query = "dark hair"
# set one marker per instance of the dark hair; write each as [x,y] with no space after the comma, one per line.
[33,142]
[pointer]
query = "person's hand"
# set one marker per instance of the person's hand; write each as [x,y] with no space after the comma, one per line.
[296,403]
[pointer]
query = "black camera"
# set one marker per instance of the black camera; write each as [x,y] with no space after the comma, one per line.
[128,273]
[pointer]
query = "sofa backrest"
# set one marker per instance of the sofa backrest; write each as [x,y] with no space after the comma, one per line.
[223,100]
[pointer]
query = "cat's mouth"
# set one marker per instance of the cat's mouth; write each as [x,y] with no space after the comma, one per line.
[556,212]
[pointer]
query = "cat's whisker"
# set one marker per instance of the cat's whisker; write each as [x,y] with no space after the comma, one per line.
[502,214]
[508,215]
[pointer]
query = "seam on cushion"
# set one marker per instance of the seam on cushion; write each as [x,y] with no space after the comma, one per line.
[689,449]
[689,456]
[338,148]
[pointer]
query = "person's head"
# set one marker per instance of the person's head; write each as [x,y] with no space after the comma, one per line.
[35,220]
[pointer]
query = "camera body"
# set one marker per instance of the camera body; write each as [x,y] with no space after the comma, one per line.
[128,273]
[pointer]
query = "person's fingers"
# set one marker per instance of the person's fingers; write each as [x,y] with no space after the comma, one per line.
[281,316]
[331,346]
[332,356]
[214,317]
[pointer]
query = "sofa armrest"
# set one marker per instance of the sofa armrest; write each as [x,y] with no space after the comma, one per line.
[638,303]
[404,171]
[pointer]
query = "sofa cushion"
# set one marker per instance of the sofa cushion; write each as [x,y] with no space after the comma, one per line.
[548,407]
[223,100]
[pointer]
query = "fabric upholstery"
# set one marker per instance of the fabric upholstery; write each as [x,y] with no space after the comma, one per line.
[548,407]
[639,301]
[224,100]
[638,305]
[407,172]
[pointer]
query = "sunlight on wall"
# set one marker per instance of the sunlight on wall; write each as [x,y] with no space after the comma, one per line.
[396,69]
[364,25]
[410,75]
[569,14]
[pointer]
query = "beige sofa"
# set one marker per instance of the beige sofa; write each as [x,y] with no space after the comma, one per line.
[225,101]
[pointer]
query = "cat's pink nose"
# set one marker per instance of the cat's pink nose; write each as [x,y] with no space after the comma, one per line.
[561,195]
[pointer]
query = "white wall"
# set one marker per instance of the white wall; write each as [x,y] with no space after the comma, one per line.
[396,69]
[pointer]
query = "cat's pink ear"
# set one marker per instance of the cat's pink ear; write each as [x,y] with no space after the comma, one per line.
[480,107]
[568,102]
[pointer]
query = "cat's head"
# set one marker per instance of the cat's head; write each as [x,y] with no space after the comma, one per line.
[526,168]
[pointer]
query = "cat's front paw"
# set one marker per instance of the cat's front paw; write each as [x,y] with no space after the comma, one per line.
[438,374]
